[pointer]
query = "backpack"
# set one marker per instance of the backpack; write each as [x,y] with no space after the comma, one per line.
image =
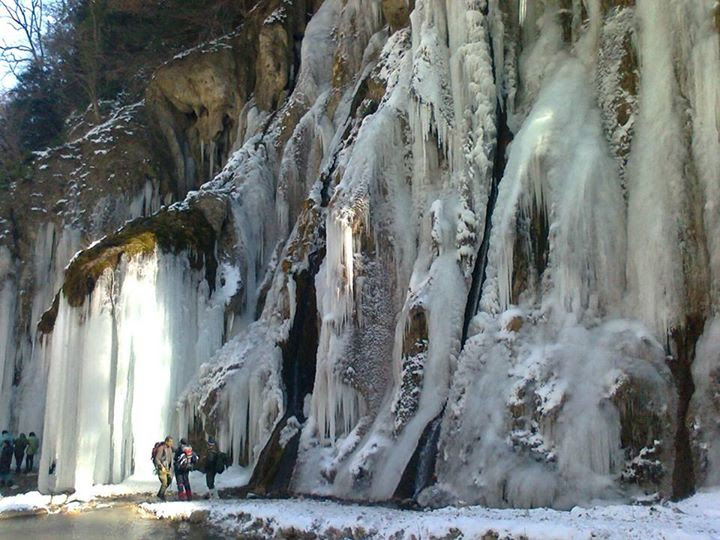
[155,449]
[221,462]
[184,462]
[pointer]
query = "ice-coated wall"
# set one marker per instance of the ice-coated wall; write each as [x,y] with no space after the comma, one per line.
[117,365]
[572,384]
[421,163]
[28,289]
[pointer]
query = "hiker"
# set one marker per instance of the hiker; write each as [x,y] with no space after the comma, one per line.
[185,460]
[163,459]
[20,444]
[214,464]
[33,444]
[6,436]
[6,455]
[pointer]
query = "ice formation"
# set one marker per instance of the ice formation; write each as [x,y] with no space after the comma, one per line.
[472,256]
[116,367]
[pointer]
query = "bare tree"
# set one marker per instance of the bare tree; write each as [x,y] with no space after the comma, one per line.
[11,147]
[27,17]
[76,40]
[91,56]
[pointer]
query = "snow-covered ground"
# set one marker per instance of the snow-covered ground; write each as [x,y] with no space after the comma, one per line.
[233,477]
[130,488]
[25,502]
[696,517]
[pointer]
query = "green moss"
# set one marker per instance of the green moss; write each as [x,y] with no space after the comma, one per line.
[171,231]
[47,321]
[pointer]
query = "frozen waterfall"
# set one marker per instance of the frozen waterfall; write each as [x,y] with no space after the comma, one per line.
[117,366]
[475,237]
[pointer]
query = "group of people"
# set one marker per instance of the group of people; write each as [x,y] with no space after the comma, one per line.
[179,462]
[21,448]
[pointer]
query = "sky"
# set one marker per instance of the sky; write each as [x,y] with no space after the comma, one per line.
[7,35]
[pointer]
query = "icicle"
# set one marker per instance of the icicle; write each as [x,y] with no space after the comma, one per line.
[578,195]
[243,380]
[8,294]
[656,202]
[701,46]
[211,160]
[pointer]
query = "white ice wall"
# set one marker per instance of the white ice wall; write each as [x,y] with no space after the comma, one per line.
[610,259]
[117,365]
[8,294]
[22,407]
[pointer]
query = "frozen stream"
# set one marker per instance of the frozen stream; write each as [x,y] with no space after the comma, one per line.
[122,521]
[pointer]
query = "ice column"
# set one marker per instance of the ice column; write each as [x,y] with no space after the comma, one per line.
[117,366]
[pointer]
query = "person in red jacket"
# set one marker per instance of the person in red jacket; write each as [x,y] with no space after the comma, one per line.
[185,461]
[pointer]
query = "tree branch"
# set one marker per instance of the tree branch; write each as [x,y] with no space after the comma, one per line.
[28,19]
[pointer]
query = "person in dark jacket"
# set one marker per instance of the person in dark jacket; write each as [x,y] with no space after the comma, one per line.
[180,448]
[6,455]
[20,444]
[185,460]
[33,445]
[212,464]
[164,466]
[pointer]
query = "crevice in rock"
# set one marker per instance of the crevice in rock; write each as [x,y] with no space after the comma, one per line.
[681,344]
[274,468]
[420,470]
[504,137]
[300,350]
[46,324]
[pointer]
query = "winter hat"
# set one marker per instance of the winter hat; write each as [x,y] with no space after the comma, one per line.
[183,442]
[211,441]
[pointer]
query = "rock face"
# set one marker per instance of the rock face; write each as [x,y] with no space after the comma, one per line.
[201,98]
[464,252]
[397,12]
[195,101]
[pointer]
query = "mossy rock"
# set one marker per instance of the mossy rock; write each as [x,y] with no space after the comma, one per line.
[172,231]
[47,321]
